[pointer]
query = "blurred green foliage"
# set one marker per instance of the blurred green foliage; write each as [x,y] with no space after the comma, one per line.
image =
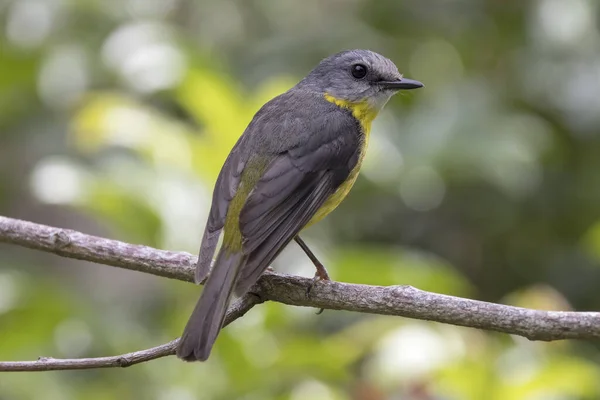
[116,116]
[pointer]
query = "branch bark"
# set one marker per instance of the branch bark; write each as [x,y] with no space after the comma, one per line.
[404,301]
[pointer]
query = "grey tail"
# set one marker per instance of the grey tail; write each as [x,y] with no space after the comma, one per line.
[208,316]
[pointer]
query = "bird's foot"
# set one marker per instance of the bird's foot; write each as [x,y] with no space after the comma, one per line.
[321,275]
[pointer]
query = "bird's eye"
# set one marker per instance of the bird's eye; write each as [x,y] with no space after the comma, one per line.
[359,71]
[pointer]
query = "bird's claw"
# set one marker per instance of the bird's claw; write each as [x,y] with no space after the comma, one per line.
[321,275]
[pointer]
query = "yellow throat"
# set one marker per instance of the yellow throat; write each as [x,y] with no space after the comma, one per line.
[363,111]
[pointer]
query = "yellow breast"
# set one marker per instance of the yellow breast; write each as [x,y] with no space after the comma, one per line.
[365,114]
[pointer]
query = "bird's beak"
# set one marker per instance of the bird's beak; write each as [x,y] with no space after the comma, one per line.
[401,84]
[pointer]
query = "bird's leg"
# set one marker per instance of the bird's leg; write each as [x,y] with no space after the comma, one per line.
[320,273]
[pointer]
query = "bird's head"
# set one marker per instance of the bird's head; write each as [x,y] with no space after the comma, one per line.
[357,76]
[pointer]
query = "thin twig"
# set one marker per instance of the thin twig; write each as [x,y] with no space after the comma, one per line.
[403,301]
[237,310]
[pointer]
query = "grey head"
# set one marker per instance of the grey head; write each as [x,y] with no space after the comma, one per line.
[357,76]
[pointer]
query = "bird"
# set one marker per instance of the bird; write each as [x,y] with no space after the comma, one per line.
[294,164]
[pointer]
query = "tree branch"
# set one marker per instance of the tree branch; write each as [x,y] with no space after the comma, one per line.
[237,310]
[403,301]
[73,244]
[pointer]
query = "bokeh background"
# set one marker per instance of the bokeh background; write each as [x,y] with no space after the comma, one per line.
[116,115]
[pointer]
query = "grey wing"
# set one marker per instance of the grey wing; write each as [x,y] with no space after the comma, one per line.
[225,188]
[292,189]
